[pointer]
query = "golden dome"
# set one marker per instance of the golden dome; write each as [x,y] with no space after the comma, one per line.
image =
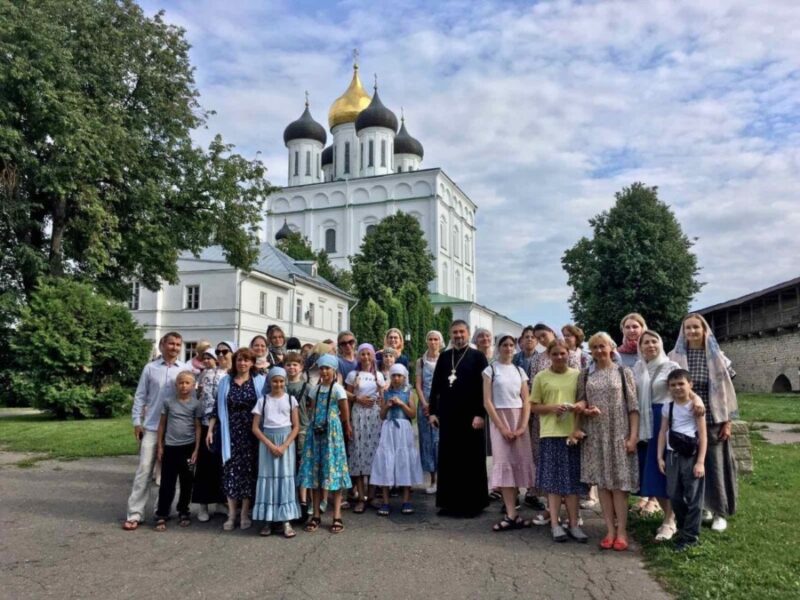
[347,106]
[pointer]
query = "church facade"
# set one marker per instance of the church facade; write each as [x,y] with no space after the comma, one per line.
[371,169]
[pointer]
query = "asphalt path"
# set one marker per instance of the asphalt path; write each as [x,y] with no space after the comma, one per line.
[61,537]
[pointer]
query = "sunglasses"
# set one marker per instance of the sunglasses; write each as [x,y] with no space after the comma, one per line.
[223,351]
[347,343]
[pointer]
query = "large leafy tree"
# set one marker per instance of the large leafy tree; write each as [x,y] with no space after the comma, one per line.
[99,177]
[75,351]
[638,259]
[393,254]
[299,248]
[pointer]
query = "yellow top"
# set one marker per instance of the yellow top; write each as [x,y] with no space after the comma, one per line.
[347,106]
[551,388]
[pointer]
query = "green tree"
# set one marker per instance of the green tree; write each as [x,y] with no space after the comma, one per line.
[299,248]
[442,322]
[638,260]
[75,352]
[369,322]
[393,254]
[99,174]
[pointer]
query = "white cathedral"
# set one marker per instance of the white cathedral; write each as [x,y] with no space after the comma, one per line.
[336,194]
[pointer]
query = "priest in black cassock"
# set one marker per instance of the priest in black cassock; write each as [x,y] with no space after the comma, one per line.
[456,408]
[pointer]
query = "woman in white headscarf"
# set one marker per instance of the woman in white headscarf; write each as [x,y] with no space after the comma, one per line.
[651,372]
[698,351]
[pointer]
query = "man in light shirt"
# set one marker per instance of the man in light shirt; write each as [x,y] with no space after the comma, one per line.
[156,383]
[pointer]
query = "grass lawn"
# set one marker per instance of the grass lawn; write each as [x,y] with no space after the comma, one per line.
[759,554]
[774,408]
[67,439]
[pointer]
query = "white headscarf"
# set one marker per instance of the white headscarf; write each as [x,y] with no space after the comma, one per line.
[645,372]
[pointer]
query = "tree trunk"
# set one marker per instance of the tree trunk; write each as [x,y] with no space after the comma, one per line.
[57,237]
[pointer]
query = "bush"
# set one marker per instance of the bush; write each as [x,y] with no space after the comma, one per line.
[75,352]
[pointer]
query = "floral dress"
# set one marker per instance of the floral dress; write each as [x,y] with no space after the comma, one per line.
[604,460]
[366,421]
[324,463]
[241,471]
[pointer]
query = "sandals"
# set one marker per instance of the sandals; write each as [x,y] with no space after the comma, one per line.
[407,508]
[360,507]
[607,543]
[185,520]
[288,531]
[337,526]
[266,531]
[495,495]
[313,524]
[508,524]
[161,525]
[384,510]
[620,545]
[130,525]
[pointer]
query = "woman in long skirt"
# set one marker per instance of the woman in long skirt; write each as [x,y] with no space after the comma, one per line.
[276,424]
[505,390]
[428,435]
[396,462]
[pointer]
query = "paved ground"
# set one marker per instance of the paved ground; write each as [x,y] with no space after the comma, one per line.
[779,433]
[60,537]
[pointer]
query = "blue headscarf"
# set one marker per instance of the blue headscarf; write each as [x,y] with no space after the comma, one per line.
[276,372]
[328,360]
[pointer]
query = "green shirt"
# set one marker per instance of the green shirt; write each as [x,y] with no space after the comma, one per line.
[551,388]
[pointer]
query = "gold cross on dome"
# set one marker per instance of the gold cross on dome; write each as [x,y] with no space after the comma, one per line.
[355,57]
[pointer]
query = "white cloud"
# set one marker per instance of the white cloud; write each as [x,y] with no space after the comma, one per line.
[541,113]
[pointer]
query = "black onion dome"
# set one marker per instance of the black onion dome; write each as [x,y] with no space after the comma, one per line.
[327,156]
[405,144]
[284,232]
[376,115]
[305,128]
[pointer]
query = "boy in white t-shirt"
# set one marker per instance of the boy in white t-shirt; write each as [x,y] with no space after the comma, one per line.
[683,434]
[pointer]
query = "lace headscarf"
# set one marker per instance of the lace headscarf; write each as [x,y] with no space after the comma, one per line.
[722,403]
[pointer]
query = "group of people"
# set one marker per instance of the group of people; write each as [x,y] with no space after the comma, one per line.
[276,431]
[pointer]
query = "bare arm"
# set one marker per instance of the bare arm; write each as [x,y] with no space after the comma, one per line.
[702,446]
[295,428]
[662,444]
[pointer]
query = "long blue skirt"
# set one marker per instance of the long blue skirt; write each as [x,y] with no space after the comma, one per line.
[653,482]
[276,497]
[428,442]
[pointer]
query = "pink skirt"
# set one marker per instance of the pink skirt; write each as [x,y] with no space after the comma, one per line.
[512,462]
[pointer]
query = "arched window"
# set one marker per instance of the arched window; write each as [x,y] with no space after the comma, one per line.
[456,245]
[330,240]
[308,163]
[370,228]
[383,153]
[347,157]
[457,288]
[444,278]
[400,169]
[443,234]
[468,291]
[468,250]
[362,157]
[371,154]
[296,162]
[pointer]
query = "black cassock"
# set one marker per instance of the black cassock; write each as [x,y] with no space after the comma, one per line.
[462,487]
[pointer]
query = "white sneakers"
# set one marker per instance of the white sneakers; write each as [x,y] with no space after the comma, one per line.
[708,516]
[719,524]
[430,490]
[202,513]
[666,532]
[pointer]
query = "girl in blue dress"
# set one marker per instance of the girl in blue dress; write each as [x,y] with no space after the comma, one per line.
[324,463]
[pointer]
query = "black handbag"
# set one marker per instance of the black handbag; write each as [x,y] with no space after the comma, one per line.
[685,445]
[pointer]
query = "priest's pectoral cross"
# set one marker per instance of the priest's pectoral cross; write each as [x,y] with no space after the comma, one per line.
[452,377]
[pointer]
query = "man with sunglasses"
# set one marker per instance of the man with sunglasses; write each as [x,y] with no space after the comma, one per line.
[348,360]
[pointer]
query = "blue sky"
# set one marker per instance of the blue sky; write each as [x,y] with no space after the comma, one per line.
[543,111]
